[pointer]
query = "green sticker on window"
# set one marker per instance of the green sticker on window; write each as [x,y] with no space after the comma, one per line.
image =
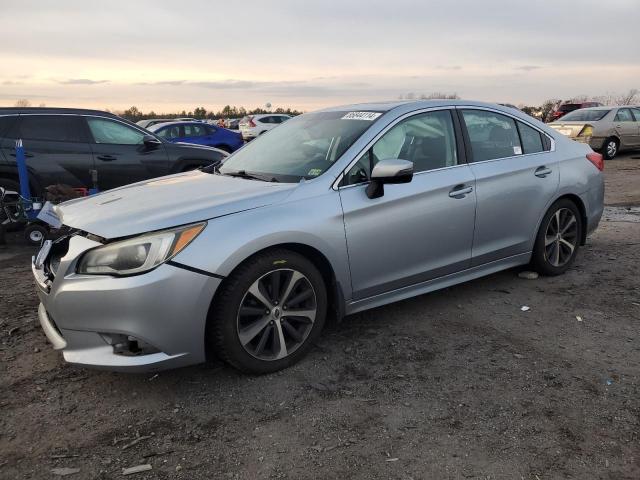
[314,172]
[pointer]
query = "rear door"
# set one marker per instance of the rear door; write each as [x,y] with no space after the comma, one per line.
[636,116]
[195,133]
[516,179]
[121,156]
[56,149]
[626,127]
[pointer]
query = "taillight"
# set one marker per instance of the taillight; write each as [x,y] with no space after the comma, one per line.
[596,159]
[587,131]
[251,122]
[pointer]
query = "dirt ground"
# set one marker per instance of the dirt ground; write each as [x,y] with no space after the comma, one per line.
[459,383]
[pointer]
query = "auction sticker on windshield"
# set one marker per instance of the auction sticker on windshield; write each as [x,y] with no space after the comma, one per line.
[368,116]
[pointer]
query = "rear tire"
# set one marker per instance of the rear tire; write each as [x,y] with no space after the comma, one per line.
[257,333]
[610,148]
[558,239]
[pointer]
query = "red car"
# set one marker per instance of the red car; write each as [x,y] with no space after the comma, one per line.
[567,107]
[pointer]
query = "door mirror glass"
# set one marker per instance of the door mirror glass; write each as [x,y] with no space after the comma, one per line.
[389,171]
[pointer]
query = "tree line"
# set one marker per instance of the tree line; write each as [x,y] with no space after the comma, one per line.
[201,113]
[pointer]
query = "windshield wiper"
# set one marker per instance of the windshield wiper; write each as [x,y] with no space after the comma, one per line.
[250,176]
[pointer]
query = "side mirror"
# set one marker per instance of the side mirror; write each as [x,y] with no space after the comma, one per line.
[389,171]
[150,141]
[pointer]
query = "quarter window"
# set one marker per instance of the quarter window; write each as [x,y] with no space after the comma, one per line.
[56,128]
[491,135]
[113,133]
[428,140]
[531,139]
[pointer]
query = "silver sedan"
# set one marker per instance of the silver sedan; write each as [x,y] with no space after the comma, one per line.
[332,213]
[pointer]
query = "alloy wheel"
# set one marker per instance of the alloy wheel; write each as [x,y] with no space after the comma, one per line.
[561,237]
[276,314]
[612,148]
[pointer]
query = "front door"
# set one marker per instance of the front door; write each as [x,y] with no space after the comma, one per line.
[416,231]
[121,157]
[516,179]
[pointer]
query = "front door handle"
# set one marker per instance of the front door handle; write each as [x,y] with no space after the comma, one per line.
[460,191]
[542,172]
[107,158]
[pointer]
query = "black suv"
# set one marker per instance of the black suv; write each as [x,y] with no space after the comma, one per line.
[68,146]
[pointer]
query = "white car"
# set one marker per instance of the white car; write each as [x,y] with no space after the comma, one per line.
[253,125]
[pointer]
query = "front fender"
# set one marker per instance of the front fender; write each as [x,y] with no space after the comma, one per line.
[315,222]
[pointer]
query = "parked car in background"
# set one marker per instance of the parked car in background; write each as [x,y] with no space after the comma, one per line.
[153,121]
[565,108]
[199,133]
[64,146]
[333,213]
[253,125]
[233,123]
[606,129]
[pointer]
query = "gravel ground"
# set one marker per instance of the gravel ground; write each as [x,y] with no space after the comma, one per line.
[459,383]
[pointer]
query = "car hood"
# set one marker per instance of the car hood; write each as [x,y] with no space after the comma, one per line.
[167,202]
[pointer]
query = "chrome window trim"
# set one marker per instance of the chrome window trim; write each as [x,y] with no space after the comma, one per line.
[336,183]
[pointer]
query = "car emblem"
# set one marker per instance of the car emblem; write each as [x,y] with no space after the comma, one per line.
[43,254]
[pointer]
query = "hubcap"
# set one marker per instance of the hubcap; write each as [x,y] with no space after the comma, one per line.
[612,148]
[276,314]
[35,236]
[561,237]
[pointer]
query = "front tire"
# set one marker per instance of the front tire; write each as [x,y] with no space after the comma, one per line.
[268,313]
[558,239]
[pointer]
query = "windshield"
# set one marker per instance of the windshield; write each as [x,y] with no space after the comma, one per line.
[585,115]
[303,147]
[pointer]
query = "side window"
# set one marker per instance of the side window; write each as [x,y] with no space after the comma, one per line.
[169,132]
[531,139]
[428,140]
[636,113]
[266,120]
[55,128]
[6,122]
[624,115]
[492,135]
[194,131]
[113,133]
[210,129]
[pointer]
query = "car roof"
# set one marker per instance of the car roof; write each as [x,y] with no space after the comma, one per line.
[597,108]
[53,111]
[158,126]
[414,105]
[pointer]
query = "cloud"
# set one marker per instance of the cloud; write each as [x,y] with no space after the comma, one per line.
[448,67]
[11,82]
[81,81]
[528,68]
[169,83]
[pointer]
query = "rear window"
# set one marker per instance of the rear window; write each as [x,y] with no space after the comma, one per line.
[568,107]
[585,116]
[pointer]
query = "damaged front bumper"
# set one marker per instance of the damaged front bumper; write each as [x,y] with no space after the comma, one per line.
[146,322]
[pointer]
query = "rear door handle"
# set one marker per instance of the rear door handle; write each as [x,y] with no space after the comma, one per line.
[460,191]
[107,158]
[542,172]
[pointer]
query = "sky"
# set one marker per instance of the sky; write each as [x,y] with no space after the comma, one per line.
[171,56]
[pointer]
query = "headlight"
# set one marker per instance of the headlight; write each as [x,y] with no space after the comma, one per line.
[139,254]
